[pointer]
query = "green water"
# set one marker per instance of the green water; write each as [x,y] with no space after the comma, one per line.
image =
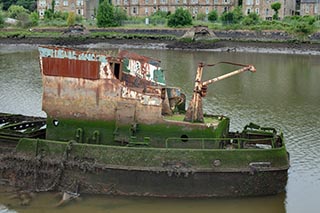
[283,93]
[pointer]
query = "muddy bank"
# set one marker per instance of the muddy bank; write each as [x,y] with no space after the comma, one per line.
[229,45]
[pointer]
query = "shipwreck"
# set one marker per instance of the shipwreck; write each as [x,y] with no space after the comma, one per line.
[113,126]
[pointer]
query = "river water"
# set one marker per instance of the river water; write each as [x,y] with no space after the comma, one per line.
[283,93]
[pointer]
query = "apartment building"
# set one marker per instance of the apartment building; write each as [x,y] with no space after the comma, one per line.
[310,7]
[85,8]
[263,8]
[148,7]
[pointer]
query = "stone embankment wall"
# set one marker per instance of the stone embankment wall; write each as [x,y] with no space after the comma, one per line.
[266,35]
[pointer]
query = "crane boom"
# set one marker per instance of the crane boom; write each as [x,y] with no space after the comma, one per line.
[195,111]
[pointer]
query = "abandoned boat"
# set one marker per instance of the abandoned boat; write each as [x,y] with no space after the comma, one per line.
[114,127]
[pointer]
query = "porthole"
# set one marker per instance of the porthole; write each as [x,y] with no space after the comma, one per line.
[55,122]
[184,138]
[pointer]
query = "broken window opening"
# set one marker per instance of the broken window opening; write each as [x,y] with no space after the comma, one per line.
[117,70]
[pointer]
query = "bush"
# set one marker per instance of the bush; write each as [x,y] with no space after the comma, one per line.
[15,10]
[120,15]
[106,16]
[180,18]
[71,19]
[201,16]
[213,16]
[34,18]
[251,19]
[1,19]
[232,17]
[159,17]
[24,20]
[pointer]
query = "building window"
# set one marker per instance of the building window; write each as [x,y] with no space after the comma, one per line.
[207,10]
[42,3]
[164,9]
[125,2]
[134,10]
[226,1]
[249,2]
[65,3]
[248,11]
[154,1]
[146,1]
[146,11]
[184,1]
[307,9]
[57,2]
[216,1]
[163,1]
[134,1]
[195,10]
[257,2]
[79,2]
[316,9]
[257,11]
[267,12]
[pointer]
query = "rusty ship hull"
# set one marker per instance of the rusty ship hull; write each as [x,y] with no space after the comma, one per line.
[114,127]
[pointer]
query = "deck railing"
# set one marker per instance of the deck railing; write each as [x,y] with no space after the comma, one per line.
[220,143]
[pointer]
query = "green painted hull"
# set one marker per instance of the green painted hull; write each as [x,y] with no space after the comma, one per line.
[163,172]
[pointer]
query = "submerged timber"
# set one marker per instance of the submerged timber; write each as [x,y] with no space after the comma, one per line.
[114,127]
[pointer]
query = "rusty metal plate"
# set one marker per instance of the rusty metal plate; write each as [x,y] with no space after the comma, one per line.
[66,67]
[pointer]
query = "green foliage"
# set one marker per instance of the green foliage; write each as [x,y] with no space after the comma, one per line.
[1,19]
[106,15]
[276,7]
[251,19]
[30,5]
[24,20]
[232,17]
[53,4]
[201,16]
[159,17]
[213,16]
[161,14]
[15,10]
[302,25]
[119,15]
[71,19]
[34,17]
[180,18]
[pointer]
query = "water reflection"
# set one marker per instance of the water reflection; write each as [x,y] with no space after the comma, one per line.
[284,93]
[45,202]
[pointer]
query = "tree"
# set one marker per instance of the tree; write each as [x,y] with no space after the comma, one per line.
[120,15]
[276,7]
[31,5]
[227,17]
[105,16]
[53,4]
[213,16]
[1,19]
[180,18]
[232,17]
[71,19]
[15,10]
